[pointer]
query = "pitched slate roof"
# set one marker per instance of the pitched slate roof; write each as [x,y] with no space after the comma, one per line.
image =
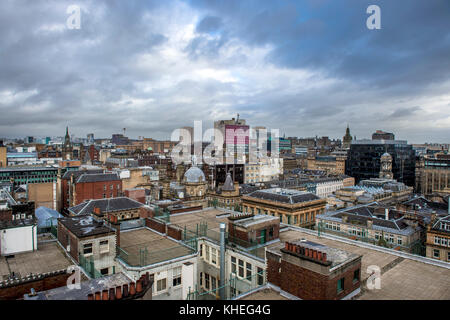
[105,205]
[77,173]
[284,195]
[100,177]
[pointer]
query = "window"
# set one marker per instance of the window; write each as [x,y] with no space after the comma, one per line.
[260,276]
[201,250]
[340,285]
[436,253]
[206,281]
[207,253]
[161,284]
[437,240]
[248,268]
[356,276]
[233,265]
[104,246]
[241,268]
[104,271]
[213,256]
[448,256]
[213,283]
[87,248]
[399,241]
[271,232]
[176,273]
[201,279]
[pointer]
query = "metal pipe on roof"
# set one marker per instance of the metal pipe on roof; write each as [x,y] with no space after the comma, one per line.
[222,262]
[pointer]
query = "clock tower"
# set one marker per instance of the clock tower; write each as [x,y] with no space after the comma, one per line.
[386,166]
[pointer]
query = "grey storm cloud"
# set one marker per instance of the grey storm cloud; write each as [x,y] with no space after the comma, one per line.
[305,67]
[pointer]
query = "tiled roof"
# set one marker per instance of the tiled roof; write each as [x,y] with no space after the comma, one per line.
[284,196]
[77,173]
[105,205]
[101,177]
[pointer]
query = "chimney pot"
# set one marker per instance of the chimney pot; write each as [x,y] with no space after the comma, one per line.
[315,254]
[324,256]
[320,255]
[98,295]
[105,294]
[118,292]
[307,252]
[132,288]
[125,290]
[286,245]
[112,294]
[90,296]
[139,286]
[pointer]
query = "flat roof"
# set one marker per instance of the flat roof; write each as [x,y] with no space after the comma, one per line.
[48,257]
[265,293]
[212,216]
[159,248]
[336,256]
[401,278]
[86,226]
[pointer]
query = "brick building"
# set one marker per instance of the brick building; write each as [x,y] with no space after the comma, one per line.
[246,229]
[312,271]
[91,242]
[79,186]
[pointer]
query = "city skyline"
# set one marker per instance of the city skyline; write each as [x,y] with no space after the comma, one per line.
[302,67]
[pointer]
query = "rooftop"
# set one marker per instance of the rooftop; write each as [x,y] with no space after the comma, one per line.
[98,177]
[85,226]
[105,205]
[336,256]
[86,287]
[158,248]
[401,278]
[48,257]
[213,217]
[288,196]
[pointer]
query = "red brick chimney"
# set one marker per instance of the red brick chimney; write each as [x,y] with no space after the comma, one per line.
[105,294]
[132,288]
[125,290]
[90,296]
[112,294]
[139,286]
[98,295]
[118,292]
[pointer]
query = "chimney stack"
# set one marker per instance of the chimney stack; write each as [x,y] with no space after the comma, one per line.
[125,290]
[118,292]
[139,286]
[105,294]
[112,294]
[132,288]
[98,295]
[90,296]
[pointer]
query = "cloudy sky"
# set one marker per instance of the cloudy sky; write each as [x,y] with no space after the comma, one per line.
[307,67]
